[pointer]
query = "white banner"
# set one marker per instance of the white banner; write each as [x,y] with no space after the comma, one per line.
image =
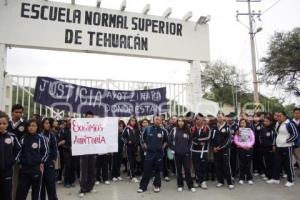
[60,26]
[94,135]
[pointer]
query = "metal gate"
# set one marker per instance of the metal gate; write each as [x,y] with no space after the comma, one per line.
[21,90]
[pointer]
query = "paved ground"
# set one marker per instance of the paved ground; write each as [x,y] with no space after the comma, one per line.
[126,190]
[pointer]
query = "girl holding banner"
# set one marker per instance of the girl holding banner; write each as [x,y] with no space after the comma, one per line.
[245,140]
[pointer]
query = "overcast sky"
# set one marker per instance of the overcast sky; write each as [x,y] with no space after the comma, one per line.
[229,41]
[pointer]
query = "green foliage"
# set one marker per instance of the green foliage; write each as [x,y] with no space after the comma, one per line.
[282,63]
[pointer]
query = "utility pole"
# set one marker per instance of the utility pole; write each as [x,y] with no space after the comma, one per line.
[251,15]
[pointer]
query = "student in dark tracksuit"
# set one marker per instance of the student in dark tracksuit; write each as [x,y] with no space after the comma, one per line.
[234,127]
[87,169]
[201,137]
[49,175]
[171,163]
[165,169]
[33,155]
[69,164]
[267,143]
[286,135]
[257,155]
[221,140]
[180,141]
[16,126]
[9,151]
[131,138]
[154,141]
[117,156]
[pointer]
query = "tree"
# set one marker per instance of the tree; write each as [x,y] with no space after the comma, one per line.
[221,81]
[282,63]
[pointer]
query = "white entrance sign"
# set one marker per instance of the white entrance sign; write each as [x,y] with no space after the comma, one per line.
[60,26]
[94,135]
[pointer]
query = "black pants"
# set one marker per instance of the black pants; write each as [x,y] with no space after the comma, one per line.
[245,164]
[200,165]
[131,156]
[70,167]
[165,164]
[116,164]
[233,160]
[102,167]
[62,164]
[267,153]
[29,177]
[222,163]
[6,184]
[49,183]
[87,173]
[152,162]
[183,161]
[283,158]
[257,159]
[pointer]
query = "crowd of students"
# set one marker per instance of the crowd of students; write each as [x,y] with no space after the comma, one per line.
[36,153]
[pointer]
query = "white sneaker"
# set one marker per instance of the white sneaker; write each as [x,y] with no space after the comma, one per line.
[156,189]
[219,185]
[179,189]
[140,190]
[284,176]
[265,178]
[241,182]
[120,178]
[255,174]
[59,182]
[263,175]
[272,181]
[97,182]
[115,179]
[81,195]
[107,183]
[231,187]
[196,185]
[289,184]
[193,190]
[203,185]
[167,179]
[135,180]
[250,182]
[94,191]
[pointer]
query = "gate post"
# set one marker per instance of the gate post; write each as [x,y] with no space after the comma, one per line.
[194,93]
[3,52]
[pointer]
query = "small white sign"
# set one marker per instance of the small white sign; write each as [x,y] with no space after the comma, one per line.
[94,135]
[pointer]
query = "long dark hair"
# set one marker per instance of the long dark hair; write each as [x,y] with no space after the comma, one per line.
[185,127]
[50,120]
[136,126]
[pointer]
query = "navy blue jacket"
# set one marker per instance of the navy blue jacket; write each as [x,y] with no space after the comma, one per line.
[180,141]
[131,135]
[221,137]
[267,137]
[18,129]
[51,148]
[154,137]
[9,150]
[201,139]
[33,150]
[297,141]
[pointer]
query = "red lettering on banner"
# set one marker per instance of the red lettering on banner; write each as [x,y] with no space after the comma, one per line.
[89,140]
[86,127]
